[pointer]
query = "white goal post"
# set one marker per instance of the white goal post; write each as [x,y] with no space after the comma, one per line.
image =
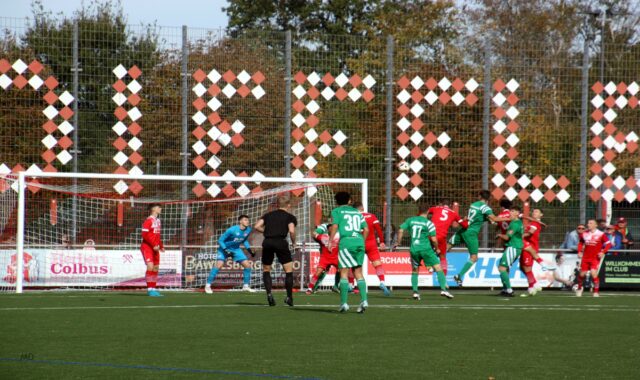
[98,188]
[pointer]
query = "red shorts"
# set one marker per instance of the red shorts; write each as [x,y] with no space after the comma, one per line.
[589,263]
[328,259]
[442,245]
[371,249]
[149,255]
[526,260]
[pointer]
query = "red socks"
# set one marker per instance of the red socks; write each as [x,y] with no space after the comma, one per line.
[380,272]
[530,278]
[152,278]
[580,279]
[443,265]
[596,285]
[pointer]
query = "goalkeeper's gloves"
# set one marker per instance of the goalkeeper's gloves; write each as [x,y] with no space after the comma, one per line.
[228,252]
[251,252]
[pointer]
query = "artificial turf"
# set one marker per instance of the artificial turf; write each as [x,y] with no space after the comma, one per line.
[236,336]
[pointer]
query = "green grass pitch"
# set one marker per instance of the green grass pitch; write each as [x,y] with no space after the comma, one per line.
[236,336]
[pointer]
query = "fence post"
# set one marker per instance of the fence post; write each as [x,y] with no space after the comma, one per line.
[584,130]
[76,149]
[486,118]
[185,133]
[287,105]
[389,138]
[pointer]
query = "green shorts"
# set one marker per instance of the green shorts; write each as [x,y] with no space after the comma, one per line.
[428,257]
[468,238]
[350,256]
[509,256]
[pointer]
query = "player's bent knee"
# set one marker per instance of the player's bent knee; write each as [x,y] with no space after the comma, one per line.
[473,257]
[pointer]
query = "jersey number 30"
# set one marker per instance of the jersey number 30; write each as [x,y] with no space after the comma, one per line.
[353,222]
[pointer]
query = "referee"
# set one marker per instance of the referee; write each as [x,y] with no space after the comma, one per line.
[275,226]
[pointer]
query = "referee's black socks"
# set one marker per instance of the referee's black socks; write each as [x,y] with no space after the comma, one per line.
[288,284]
[266,278]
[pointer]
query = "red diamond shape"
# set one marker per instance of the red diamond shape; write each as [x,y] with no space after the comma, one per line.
[297,193]
[563,182]
[119,86]
[199,133]
[403,82]
[135,158]
[20,81]
[135,187]
[498,166]
[430,138]
[199,162]
[631,182]
[50,97]
[134,99]
[214,118]
[416,180]
[513,126]
[66,113]
[51,83]
[325,136]
[597,115]
[258,77]
[444,98]
[228,190]
[497,193]
[313,93]
[597,88]
[199,104]
[417,124]
[523,195]
[596,168]
[298,106]
[417,96]
[431,83]
[4,66]
[237,140]
[457,84]
[328,79]
[368,95]
[537,182]
[596,142]
[214,90]
[300,77]
[403,138]
[339,151]
[416,152]
[512,99]
[511,180]
[549,196]
[608,182]
[134,72]
[633,102]
[134,128]
[610,129]
[48,156]
[619,196]
[499,140]
[471,99]
[49,169]
[402,193]
[120,113]
[312,120]
[443,153]
[121,170]
[622,88]
[499,113]
[229,76]
[341,94]
[512,153]
[214,147]
[33,186]
[297,162]
[610,101]
[65,142]
[243,91]
[403,110]
[498,85]
[311,148]
[632,146]
[298,134]
[50,126]
[199,190]
[355,80]
[199,75]
[620,137]
[609,155]
[595,195]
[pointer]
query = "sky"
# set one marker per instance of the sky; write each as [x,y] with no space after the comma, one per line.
[193,13]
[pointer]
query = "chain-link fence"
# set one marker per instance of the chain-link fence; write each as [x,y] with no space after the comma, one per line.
[531,124]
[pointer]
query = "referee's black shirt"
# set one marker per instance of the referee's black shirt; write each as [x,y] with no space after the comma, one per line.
[276,224]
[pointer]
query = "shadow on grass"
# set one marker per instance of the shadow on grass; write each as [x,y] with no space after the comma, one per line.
[314,309]
[251,303]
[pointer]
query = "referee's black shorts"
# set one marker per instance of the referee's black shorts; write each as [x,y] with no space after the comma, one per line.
[274,247]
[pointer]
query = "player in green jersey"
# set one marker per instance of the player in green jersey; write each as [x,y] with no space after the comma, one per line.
[423,241]
[479,212]
[513,248]
[353,230]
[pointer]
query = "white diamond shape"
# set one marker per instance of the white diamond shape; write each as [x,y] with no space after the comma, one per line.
[431,97]
[244,77]
[257,176]
[342,79]
[457,98]
[299,92]
[619,147]
[327,93]
[298,120]
[339,137]
[229,90]
[50,112]
[134,114]
[135,170]
[609,142]
[633,88]
[597,128]
[311,134]
[429,153]
[444,84]
[607,195]
[120,158]
[597,101]
[416,137]
[311,191]
[119,98]
[471,85]
[35,82]
[619,182]
[609,168]
[550,181]
[499,99]
[213,190]
[135,143]
[630,196]
[120,71]
[621,102]
[119,128]
[416,166]
[610,88]
[237,126]
[403,124]
[443,139]
[536,195]
[313,78]
[513,85]
[499,153]
[297,174]
[199,174]
[415,193]
[243,190]
[563,196]
[499,126]
[403,151]
[610,114]
[403,96]
[417,82]
[49,141]
[65,127]
[199,147]
[595,181]
[258,92]
[214,76]
[497,179]
[199,89]
[354,94]
[402,179]
[511,193]
[134,86]
[524,181]
[214,103]
[19,66]
[4,170]
[310,162]
[313,107]
[224,139]
[513,140]
[120,187]
[5,81]
[227,175]
[513,112]
[33,169]
[297,148]
[632,137]
[368,81]
[511,166]
[214,133]
[417,110]
[214,162]
[597,155]
[324,150]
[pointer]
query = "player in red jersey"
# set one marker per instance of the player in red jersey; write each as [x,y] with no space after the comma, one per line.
[592,247]
[530,251]
[151,247]
[327,258]
[371,245]
[442,217]
[505,206]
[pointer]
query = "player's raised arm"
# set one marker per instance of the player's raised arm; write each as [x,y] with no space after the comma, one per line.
[259,226]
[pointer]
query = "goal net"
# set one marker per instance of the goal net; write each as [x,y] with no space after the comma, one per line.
[83,231]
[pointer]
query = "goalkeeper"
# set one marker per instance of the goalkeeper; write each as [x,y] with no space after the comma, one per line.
[229,247]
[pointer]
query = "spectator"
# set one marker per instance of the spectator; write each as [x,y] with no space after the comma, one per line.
[615,238]
[627,240]
[572,238]
[602,225]
[65,242]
